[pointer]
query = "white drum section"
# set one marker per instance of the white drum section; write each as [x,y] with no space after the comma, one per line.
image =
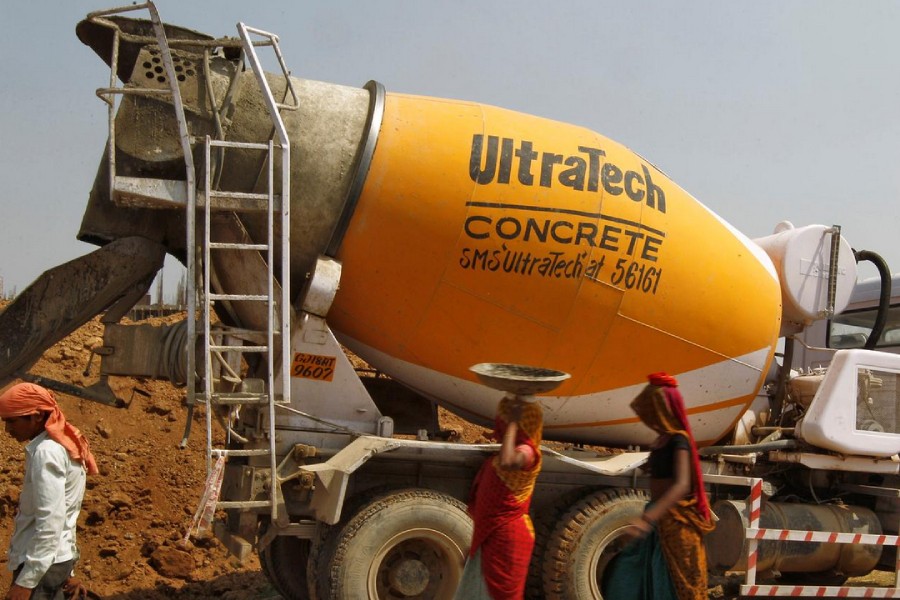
[802,257]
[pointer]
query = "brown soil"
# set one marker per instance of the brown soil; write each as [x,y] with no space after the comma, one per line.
[145,495]
[137,510]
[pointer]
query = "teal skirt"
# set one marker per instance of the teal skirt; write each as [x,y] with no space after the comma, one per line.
[639,572]
[472,585]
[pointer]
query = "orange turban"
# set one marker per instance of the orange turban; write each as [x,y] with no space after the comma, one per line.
[27,399]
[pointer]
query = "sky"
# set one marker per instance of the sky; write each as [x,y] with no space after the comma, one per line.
[765,111]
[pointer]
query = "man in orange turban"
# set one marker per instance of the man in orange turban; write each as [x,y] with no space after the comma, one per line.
[42,552]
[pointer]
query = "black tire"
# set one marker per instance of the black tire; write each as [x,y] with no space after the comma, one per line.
[322,540]
[584,541]
[284,563]
[544,523]
[403,544]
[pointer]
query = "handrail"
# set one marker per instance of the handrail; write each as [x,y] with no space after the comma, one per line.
[184,136]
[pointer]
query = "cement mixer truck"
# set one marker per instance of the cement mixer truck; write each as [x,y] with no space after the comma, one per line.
[321,223]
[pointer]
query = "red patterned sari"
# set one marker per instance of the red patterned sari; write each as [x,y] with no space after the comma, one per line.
[503,538]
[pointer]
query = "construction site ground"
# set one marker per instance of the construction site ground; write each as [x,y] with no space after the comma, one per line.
[136,511]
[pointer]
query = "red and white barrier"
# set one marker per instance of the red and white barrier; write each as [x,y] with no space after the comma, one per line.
[754,534]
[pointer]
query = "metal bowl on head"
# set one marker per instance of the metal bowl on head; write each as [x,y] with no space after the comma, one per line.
[521,380]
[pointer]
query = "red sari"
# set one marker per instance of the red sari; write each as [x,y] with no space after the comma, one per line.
[499,508]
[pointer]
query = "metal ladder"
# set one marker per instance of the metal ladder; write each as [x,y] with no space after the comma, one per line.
[216,344]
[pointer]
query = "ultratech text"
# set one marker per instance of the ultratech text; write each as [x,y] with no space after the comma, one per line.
[585,171]
[551,264]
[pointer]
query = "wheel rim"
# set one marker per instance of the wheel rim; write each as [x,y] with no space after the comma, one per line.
[604,552]
[417,563]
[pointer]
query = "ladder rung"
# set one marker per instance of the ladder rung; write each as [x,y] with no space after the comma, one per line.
[231,246]
[255,297]
[214,143]
[109,91]
[246,145]
[245,504]
[237,195]
[239,331]
[239,398]
[248,335]
[239,348]
[234,452]
[240,204]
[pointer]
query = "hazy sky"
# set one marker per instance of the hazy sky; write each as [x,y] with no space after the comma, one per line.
[764,111]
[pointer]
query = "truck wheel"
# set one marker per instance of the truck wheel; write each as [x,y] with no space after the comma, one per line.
[545,520]
[284,564]
[402,544]
[584,541]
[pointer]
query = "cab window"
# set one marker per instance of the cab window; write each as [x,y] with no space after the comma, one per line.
[853,328]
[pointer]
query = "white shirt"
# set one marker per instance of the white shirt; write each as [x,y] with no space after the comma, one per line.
[48,510]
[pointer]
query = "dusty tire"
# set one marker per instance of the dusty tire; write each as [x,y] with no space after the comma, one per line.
[585,540]
[323,540]
[284,563]
[545,521]
[402,544]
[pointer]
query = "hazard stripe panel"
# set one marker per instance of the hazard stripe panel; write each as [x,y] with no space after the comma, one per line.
[754,534]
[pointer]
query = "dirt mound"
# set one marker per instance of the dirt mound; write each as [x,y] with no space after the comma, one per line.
[137,510]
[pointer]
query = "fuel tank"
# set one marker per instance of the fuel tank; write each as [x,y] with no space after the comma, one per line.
[469,233]
[727,545]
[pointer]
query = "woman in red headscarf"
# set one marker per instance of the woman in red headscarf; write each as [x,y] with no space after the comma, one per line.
[666,558]
[503,536]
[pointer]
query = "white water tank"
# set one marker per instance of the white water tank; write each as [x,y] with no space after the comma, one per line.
[802,258]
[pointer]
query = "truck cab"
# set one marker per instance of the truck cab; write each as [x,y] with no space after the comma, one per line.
[852,328]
